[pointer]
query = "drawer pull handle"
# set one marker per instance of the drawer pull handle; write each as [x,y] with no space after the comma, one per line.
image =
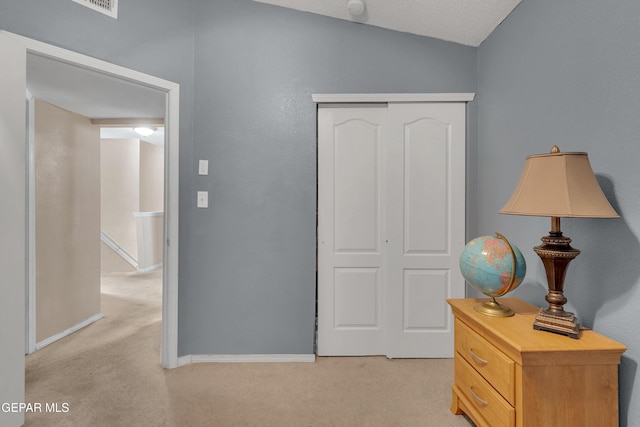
[477,398]
[477,358]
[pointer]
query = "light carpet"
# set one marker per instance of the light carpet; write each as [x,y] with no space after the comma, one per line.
[109,374]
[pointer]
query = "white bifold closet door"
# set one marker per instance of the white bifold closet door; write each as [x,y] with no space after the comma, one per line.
[391,227]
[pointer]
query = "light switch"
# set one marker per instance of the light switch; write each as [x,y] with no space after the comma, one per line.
[203,167]
[203,199]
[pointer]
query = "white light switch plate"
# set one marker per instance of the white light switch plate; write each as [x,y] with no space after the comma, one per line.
[203,167]
[203,199]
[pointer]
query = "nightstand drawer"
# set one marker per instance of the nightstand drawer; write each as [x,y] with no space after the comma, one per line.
[490,362]
[480,398]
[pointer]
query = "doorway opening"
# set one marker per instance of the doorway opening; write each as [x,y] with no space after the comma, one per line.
[93,68]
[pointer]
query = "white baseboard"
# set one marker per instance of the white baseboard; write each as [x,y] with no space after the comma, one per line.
[69,331]
[151,267]
[246,358]
[118,249]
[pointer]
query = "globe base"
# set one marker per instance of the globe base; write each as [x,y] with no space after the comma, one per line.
[493,308]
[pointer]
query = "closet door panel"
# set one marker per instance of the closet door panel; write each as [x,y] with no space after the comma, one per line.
[356,186]
[351,271]
[425,184]
[425,223]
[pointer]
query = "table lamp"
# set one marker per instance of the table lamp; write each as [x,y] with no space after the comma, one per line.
[558,185]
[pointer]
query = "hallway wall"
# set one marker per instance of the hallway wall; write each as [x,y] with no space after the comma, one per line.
[67,170]
[131,181]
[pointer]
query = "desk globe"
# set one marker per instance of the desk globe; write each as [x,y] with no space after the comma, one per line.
[494,267]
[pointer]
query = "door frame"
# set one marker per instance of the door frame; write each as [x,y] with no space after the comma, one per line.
[169,341]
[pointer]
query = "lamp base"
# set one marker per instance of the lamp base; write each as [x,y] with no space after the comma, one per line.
[493,308]
[566,324]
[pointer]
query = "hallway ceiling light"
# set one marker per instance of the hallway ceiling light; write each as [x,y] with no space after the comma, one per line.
[144,130]
[356,7]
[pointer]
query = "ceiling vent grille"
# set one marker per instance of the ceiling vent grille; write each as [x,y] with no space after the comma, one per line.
[108,7]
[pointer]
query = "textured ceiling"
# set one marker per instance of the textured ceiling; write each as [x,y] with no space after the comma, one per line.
[94,95]
[467,22]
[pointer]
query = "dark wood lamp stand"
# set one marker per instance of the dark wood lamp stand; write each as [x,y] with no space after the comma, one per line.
[556,254]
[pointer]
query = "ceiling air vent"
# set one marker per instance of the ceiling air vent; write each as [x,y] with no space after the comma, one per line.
[108,7]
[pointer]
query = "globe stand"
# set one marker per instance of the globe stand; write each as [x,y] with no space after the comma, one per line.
[493,308]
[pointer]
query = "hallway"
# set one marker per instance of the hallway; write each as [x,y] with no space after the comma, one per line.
[87,369]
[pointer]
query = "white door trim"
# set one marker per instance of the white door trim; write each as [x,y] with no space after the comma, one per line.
[30,294]
[321,98]
[13,224]
[169,350]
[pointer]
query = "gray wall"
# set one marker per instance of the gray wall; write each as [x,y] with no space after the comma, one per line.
[150,36]
[247,264]
[247,72]
[566,73]
[553,73]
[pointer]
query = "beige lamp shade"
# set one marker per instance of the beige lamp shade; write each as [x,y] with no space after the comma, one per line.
[559,185]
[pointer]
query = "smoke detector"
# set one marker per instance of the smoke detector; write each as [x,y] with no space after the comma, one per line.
[356,7]
[108,7]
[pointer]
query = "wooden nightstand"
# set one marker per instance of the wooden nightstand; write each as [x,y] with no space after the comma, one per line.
[508,374]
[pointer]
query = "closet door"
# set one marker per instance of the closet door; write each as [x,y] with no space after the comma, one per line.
[351,250]
[391,217]
[426,226]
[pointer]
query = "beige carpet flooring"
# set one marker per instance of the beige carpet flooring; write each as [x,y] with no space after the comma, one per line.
[109,374]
